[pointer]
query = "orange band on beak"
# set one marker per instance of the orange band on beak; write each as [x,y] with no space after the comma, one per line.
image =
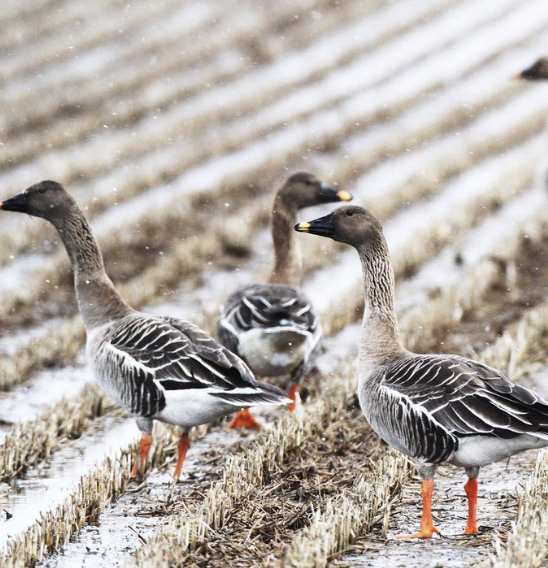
[304,226]
[344,195]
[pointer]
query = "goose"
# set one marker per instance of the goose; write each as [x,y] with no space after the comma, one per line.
[273,327]
[536,72]
[156,367]
[433,408]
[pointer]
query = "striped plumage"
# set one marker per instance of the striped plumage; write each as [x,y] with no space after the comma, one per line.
[434,408]
[273,326]
[282,319]
[158,368]
[146,363]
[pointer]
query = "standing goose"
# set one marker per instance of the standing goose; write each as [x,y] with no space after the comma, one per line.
[158,368]
[273,326]
[434,408]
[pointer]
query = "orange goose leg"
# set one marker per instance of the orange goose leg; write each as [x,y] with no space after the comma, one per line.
[471,488]
[293,394]
[184,444]
[141,460]
[244,419]
[427,523]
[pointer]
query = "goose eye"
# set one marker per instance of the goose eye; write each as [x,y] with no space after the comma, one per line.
[42,190]
[349,213]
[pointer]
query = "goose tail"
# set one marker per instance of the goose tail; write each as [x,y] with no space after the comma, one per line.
[262,394]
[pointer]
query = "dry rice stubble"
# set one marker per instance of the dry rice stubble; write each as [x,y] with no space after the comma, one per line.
[219,493]
[447,309]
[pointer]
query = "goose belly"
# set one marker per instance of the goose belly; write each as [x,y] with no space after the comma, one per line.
[478,451]
[192,407]
[275,352]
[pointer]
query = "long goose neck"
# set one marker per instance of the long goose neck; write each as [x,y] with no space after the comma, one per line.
[380,337]
[98,300]
[287,253]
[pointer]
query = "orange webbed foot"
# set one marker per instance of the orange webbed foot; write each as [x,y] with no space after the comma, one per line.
[244,419]
[427,528]
[293,394]
[423,533]
[471,530]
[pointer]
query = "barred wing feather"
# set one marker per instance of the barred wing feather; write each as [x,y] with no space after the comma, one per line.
[265,306]
[465,397]
[159,354]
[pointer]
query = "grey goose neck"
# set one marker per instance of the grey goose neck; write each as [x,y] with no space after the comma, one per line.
[288,260]
[98,300]
[380,336]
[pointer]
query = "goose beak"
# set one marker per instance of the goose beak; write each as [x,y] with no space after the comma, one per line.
[17,203]
[518,76]
[529,74]
[344,195]
[322,226]
[329,194]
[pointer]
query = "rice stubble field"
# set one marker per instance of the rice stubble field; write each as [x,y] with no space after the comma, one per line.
[171,126]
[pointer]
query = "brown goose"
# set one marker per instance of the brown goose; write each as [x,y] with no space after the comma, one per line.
[434,408]
[273,326]
[158,368]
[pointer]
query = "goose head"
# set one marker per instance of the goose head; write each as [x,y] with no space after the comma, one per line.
[351,225]
[536,72]
[303,189]
[47,199]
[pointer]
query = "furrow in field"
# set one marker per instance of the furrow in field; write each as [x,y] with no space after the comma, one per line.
[141,86]
[188,257]
[23,35]
[180,118]
[191,116]
[251,90]
[14,11]
[18,32]
[30,430]
[201,180]
[105,34]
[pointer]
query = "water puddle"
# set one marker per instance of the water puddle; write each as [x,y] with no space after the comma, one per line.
[42,490]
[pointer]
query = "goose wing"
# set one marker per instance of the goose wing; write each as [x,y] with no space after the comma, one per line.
[161,354]
[465,397]
[266,306]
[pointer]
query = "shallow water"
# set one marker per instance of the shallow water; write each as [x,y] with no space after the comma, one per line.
[43,489]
